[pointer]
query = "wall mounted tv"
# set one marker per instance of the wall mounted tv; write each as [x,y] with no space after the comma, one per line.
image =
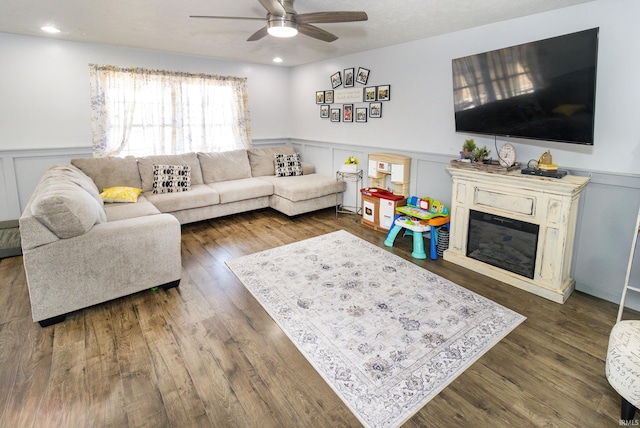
[543,90]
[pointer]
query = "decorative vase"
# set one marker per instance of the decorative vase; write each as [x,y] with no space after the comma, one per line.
[349,167]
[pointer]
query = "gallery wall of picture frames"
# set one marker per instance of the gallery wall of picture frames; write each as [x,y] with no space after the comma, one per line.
[355,101]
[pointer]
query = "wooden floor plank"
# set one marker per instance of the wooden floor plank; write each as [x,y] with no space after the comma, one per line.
[207,354]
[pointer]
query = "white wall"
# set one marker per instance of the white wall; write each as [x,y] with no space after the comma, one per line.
[419,117]
[44,89]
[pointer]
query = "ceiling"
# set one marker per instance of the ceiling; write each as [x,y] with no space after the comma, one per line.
[164,25]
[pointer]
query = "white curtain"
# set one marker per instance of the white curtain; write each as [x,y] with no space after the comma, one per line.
[140,112]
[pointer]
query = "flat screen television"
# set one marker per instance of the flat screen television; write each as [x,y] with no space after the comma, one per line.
[543,90]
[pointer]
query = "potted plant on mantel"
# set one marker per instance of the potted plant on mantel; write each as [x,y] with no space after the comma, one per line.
[472,153]
[466,155]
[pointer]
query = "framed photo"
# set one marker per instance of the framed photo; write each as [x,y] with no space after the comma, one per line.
[383,93]
[328,97]
[361,114]
[375,110]
[335,115]
[336,80]
[362,76]
[347,114]
[324,111]
[348,78]
[319,97]
[370,93]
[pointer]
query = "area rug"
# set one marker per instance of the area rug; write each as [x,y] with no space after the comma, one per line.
[384,333]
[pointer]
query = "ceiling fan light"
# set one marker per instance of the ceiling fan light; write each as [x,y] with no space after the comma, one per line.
[282,27]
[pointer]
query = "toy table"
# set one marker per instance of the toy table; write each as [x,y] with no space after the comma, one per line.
[416,221]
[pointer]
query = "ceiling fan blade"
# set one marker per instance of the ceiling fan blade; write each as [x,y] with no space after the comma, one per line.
[330,17]
[226,17]
[316,33]
[258,35]
[274,7]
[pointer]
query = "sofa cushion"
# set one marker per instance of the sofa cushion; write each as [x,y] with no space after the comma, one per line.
[111,171]
[145,166]
[116,212]
[305,187]
[120,194]
[171,178]
[288,165]
[66,209]
[200,195]
[223,166]
[242,189]
[262,159]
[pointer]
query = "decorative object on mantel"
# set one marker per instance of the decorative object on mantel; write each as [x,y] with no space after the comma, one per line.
[472,153]
[492,166]
[466,154]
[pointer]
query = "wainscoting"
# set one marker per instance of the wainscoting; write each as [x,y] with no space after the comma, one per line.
[606,217]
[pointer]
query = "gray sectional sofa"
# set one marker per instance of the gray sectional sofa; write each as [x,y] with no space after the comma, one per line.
[79,251]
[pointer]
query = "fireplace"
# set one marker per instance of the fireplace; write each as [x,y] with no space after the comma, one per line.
[515,228]
[503,242]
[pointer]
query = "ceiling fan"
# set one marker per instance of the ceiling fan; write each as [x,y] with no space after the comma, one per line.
[284,21]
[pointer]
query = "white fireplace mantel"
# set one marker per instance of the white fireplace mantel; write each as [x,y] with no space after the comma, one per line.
[550,203]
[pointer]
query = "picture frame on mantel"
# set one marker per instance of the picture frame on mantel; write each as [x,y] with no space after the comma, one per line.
[335,115]
[383,93]
[319,97]
[375,110]
[349,78]
[336,80]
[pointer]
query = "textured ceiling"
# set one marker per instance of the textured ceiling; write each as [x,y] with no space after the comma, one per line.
[165,25]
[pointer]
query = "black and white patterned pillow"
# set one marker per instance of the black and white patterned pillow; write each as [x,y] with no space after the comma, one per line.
[288,165]
[171,178]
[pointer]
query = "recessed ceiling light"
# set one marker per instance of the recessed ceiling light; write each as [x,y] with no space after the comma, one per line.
[50,29]
[277,59]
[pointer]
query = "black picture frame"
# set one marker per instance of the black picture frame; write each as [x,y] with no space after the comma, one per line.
[324,111]
[349,78]
[336,80]
[335,115]
[383,93]
[328,97]
[370,94]
[347,113]
[361,114]
[363,75]
[319,97]
[375,110]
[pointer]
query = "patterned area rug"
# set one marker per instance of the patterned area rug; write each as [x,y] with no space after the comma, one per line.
[385,334]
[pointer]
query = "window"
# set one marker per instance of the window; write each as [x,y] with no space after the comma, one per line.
[150,112]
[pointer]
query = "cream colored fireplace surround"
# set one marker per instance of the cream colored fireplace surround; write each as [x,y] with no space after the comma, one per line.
[550,203]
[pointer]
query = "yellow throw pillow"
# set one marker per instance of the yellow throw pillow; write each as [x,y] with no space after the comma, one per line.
[120,194]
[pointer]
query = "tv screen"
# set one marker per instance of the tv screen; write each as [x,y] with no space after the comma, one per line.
[543,90]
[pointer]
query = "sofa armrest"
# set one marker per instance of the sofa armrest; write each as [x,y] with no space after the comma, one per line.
[112,260]
[307,168]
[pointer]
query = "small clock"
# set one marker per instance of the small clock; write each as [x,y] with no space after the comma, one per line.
[507,155]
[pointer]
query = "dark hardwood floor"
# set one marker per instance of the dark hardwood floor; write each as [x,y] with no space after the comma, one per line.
[207,354]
